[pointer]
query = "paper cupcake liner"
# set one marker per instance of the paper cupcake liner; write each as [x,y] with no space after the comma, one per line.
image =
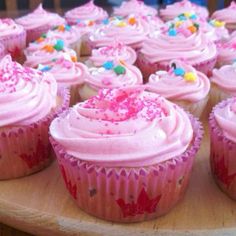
[26,149]
[147,68]
[76,46]
[128,194]
[222,155]
[14,45]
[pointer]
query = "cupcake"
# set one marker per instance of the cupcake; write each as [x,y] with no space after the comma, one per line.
[13,38]
[173,10]
[223,145]
[182,85]
[69,34]
[87,11]
[67,73]
[116,51]
[131,149]
[134,7]
[131,31]
[223,83]
[181,40]
[110,75]
[228,15]
[2,51]
[29,101]
[39,22]
[44,50]
[227,51]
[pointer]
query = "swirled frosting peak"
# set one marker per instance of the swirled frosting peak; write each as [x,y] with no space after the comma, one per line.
[134,7]
[26,95]
[88,11]
[124,127]
[8,27]
[181,82]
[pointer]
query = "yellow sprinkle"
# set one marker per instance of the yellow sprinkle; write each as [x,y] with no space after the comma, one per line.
[219,23]
[190,77]
[187,14]
[178,23]
[121,24]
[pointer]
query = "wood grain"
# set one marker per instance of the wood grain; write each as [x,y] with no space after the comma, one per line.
[40,204]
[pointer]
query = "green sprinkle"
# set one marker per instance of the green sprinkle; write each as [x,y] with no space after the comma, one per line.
[119,70]
[59,45]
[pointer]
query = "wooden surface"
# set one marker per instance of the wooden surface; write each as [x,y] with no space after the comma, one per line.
[39,204]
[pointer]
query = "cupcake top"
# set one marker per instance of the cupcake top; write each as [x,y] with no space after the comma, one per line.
[44,51]
[65,71]
[227,51]
[228,14]
[173,10]
[181,82]
[225,116]
[38,18]
[225,78]
[134,7]
[130,30]
[9,28]
[115,51]
[124,128]
[88,11]
[85,26]
[180,40]
[26,95]
[69,34]
[114,75]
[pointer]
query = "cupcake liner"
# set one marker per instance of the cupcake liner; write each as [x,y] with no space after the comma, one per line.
[147,68]
[14,45]
[222,155]
[76,46]
[26,149]
[86,46]
[129,194]
[74,94]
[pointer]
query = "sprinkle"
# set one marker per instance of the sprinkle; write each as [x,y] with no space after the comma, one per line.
[61,28]
[90,23]
[182,17]
[78,21]
[39,40]
[187,14]
[105,21]
[179,71]
[178,23]
[173,65]
[44,35]
[190,76]
[73,58]
[59,45]
[48,48]
[193,17]
[122,62]
[108,65]
[44,68]
[121,24]
[172,32]
[218,23]
[132,21]
[67,27]
[196,26]
[192,29]
[119,70]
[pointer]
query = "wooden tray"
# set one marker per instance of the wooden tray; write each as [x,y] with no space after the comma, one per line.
[39,204]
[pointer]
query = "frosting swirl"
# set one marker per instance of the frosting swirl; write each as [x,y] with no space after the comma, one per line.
[26,95]
[38,18]
[88,11]
[134,7]
[225,117]
[181,82]
[173,10]
[124,127]
[116,51]
[225,78]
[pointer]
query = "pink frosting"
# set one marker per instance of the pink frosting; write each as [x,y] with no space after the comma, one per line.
[225,78]
[119,29]
[99,77]
[176,87]
[124,127]
[26,95]
[65,71]
[227,51]
[134,7]
[2,50]
[193,48]
[40,18]
[84,27]
[88,11]
[36,53]
[9,28]
[173,10]
[225,117]
[228,15]
[116,51]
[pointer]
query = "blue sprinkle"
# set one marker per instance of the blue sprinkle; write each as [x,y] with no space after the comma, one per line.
[67,27]
[179,71]
[172,32]
[105,21]
[182,18]
[193,17]
[108,65]
[44,68]
[78,21]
